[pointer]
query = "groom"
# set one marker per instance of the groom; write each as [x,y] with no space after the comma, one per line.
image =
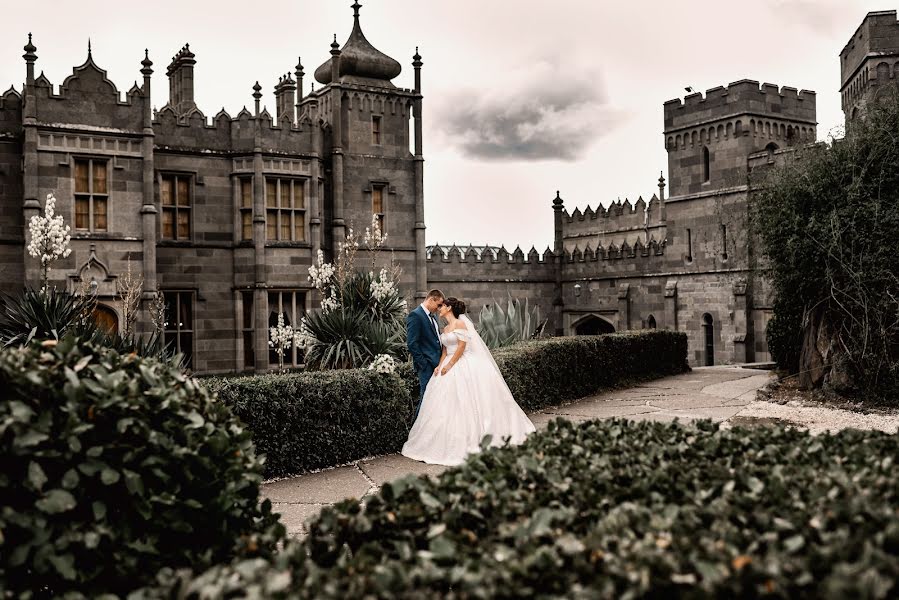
[423,340]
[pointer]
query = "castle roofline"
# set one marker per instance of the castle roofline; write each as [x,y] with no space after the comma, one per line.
[874,13]
[739,85]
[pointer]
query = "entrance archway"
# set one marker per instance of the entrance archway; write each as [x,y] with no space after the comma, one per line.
[593,325]
[106,319]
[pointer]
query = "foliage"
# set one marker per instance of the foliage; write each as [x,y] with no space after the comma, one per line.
[828,220]
[517,323]
[283,337]
[313,420]
[114,466]
[548,372]
[607,509]
[42,314]
[308,421]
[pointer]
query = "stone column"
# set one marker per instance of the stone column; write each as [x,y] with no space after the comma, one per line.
[32,206]
[624,307]
[421,264]
[558,258]
[148,211]
[742,338]
[670,305]
[338,224]
[260,295]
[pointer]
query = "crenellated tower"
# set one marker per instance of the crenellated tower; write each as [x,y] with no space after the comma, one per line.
[869,62]
[709,138]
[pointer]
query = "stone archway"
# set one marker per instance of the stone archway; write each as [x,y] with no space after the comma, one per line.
[106,319]
[592,325]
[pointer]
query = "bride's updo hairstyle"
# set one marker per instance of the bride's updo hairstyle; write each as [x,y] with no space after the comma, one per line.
[456,305]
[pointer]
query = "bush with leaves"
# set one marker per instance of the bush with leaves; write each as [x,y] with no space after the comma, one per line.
[114,466]
[516,324]
[607,509]
[828,219]
[313,420]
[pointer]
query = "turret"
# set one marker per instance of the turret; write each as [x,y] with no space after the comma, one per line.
[285,98]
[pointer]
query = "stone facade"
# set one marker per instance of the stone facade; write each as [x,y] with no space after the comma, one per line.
[225,215]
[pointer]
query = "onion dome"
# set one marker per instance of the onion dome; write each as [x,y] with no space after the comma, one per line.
[360,62]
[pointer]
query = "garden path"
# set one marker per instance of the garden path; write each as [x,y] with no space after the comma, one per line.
[716,393]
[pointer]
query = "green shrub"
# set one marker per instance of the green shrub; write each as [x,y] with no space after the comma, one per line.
[308,421]
[607,509]
[112,467]
[547,372]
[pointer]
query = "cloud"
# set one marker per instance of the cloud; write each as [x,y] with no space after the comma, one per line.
[538,113]
[820,16]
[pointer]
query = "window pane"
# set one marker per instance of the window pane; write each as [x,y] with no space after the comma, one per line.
[82,206]
[168,223]
[186,341]
[171,311]
[246,219]
[271,192]
[100,214]
[299,226]
[99,176]
[184,224]
[183,191]
[377,200]
[249,354]
[271,224]
[247,298]
[186,308]
[167,191]
[246,193]
[274,307]
[82,168]
[285,225]
[299,195]
[381,224]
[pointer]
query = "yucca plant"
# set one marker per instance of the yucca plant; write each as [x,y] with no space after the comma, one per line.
[501,328]
[42,314]
[348,338]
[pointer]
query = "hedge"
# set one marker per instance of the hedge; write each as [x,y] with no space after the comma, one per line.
[309,421]
[114,466]
[607,509]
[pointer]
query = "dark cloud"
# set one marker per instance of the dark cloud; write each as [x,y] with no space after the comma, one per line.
[541,113]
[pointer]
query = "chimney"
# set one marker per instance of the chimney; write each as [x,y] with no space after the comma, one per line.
[285,97]
[181,81]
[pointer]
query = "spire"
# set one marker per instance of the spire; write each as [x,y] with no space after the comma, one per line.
[30,56]
[29,47]
[299,71]
[146,63]
[356,6]
[557,202]
[257,94]
[335,47]
[359,60]
[89,57]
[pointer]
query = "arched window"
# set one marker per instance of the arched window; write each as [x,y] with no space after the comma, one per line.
[593,325]
[708,330]
[706,164]
[106,319]
[650,322]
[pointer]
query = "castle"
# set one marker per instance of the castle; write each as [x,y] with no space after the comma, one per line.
[224,215]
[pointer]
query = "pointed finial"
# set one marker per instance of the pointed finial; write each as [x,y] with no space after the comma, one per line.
[257,93]
[661,179]
[88,47]
[334,44]
[299,72]
[416,59]
[356,6]
[29,47]
[146,63]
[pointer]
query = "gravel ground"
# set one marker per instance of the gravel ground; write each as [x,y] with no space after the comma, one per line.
[819,418]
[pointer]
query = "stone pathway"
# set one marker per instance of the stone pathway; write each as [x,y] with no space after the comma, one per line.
[716,393]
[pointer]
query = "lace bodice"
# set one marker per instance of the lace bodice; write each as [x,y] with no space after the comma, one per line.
[451,340]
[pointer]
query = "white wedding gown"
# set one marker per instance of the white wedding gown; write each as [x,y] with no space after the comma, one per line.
[458,409]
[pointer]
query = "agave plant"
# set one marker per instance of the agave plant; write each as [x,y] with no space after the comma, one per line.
[42,314]
[517,323]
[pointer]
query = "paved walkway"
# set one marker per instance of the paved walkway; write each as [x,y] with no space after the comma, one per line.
[716,393]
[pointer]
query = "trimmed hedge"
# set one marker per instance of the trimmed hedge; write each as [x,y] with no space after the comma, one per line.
[114,466]
[309,421]
[606,509]
[547,372]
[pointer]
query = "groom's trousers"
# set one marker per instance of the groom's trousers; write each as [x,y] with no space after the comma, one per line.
[423,378]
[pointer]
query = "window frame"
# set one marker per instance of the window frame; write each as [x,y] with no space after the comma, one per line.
[179,330]
[293,358]
[176,208]
[245,210]
[381,189]
[292,211]
[248,329]
[377,123]
[90,195]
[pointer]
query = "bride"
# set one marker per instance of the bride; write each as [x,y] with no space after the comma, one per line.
[466,399]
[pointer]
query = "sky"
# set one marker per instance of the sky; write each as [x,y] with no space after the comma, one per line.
[521,98]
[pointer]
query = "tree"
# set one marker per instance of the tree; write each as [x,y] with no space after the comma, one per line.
[828,221]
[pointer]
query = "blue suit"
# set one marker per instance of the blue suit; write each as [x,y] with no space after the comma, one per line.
[424,346]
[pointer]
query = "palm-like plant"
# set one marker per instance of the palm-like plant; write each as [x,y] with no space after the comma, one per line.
[44,314]
[517,323]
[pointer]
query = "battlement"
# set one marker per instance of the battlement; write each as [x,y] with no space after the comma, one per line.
[618,215]
[615,252]
[486,254]
[740,97]
[878,34]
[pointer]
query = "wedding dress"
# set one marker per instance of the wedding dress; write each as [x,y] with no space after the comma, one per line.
[458,409]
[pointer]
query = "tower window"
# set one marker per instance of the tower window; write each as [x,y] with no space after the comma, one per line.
[91,194]
[176,202]
[706,164]
[377,206]
[376,130]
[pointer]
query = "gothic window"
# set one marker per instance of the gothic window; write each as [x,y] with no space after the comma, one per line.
[246,327]
[378,208]
[708,330]
[246,208]
[175,196]
[376,130]
[724,241]
[706,164]
[689,245]
[292,304]
[651,322]
[285,210]
[91,194]
[179,324]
